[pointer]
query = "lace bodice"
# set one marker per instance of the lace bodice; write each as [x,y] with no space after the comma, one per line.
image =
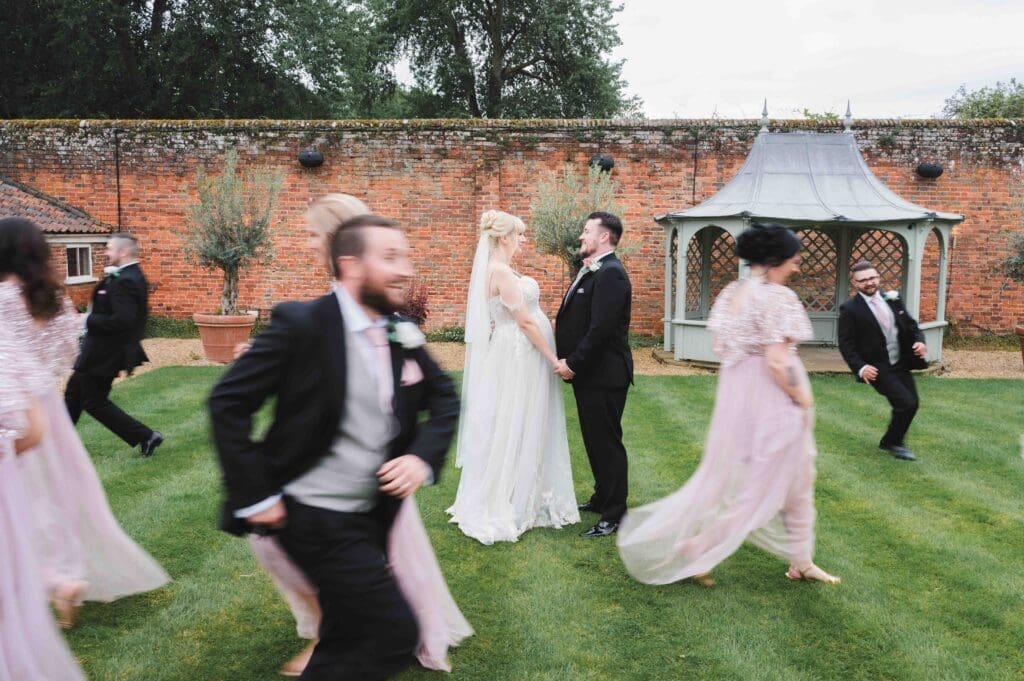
[501,310]
[14,396]
[53,344]
[749,315]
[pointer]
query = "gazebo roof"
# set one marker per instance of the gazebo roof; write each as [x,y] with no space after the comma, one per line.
[808,177]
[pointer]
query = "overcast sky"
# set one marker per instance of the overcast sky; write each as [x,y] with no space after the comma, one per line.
[894,58]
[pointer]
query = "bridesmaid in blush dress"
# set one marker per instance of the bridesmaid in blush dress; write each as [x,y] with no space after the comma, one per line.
[83,553]
[412,558]
[31,646]
[756,479]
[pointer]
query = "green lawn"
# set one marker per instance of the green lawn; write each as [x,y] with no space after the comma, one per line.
[930,554]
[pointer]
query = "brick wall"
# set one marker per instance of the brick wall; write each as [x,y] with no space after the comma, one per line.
[436,177]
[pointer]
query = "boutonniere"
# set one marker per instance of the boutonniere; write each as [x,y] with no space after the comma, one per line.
[594,266]
[407,334]
[892,296]
[111,271]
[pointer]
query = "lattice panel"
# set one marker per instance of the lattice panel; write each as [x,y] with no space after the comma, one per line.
[694,263]
[673,253]
[723,264]
[887,251]
[818,278]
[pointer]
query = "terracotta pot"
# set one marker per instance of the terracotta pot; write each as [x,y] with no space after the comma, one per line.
[221,333]
[1019,330]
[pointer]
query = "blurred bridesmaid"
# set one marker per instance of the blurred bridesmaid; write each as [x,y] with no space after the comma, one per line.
[756,479]
[31,646]
[83,553]
[412,557]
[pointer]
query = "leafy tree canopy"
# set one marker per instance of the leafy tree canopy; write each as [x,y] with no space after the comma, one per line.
[309,58]
[1004,100]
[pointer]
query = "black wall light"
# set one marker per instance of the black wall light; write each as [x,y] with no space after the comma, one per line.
[311,158]
[929,171]
[602,161]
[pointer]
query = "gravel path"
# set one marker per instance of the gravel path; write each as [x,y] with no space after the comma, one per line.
[956,363]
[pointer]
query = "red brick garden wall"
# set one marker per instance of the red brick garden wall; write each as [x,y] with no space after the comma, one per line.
[436,177]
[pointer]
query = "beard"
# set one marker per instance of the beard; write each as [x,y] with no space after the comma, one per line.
[378,300]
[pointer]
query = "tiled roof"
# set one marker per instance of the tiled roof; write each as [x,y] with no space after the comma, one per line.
[52,215]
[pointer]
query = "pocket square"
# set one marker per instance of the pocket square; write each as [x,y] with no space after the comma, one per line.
[579,290]
[411,372]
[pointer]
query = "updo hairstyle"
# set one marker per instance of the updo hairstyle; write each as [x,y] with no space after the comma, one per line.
[496,224]
[767,244]
[326,214]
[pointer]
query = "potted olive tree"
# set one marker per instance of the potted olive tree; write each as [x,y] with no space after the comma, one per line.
[1013,267]
[228,229]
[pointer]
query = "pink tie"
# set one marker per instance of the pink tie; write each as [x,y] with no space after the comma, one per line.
[880,314]
[378,337]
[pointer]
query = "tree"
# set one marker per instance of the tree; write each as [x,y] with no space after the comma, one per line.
[1004,100]
[509,58]
[229,225]
[560,209]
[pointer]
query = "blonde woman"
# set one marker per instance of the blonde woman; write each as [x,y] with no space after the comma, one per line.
[409,550]
[512,446]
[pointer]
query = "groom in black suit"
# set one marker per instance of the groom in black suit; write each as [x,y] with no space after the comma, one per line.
[592,337]
[881,343]
[344,447]
[112,344]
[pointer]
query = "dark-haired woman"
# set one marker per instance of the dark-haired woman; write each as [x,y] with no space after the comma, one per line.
[756,480]
[83,552]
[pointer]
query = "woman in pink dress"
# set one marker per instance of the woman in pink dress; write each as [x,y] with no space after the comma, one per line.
[756,480]
[31,646]
[83,553]
[416,569]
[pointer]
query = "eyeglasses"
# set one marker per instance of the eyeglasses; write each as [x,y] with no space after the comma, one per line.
[866,279]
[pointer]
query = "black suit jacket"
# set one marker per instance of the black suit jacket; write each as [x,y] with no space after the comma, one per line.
[861,340]
[592,328]
[300,360]
[116,324]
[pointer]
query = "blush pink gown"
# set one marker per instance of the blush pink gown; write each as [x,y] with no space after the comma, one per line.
[75,534]
[416,570]
[755,481]
[31,646]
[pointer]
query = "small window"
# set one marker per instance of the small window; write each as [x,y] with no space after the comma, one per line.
[79,264]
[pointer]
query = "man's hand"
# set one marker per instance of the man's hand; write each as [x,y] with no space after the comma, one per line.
[563,370]
[869,373]
[403,475]
[920,349]
[275,516]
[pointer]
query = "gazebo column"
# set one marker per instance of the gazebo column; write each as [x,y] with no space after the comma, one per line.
[943,233]
[667,321]
[917,234]
[684,234]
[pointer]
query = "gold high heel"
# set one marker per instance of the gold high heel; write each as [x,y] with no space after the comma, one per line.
[796,574]
[704,580]
[66,600]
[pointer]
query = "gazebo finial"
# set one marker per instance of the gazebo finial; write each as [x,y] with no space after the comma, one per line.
[764,116]
[848,119]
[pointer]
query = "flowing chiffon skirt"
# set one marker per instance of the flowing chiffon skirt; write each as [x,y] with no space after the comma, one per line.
[755,482]
[76,536]
[416,570]
[31,646]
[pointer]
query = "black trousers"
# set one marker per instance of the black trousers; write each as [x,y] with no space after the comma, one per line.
[897,385]
[367,630]
[600,411]
[92,394]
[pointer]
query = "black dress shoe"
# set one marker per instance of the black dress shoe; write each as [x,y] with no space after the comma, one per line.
[150,445]
[588,508]
[900,452]
[602,529]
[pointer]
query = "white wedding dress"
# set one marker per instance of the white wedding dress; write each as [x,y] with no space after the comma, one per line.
[516,472]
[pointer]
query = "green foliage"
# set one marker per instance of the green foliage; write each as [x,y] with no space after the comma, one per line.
[638,341]
[447,334]
[823,117]
[229,226]
[512,59]
[560,209]
[1004,100]
[1013,265]
[166,327]
[929,554]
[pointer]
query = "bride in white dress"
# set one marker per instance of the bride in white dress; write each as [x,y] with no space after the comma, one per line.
[512,444]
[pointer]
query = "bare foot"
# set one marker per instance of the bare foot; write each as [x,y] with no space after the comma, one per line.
[296,665]
[811,573]
[67,597]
